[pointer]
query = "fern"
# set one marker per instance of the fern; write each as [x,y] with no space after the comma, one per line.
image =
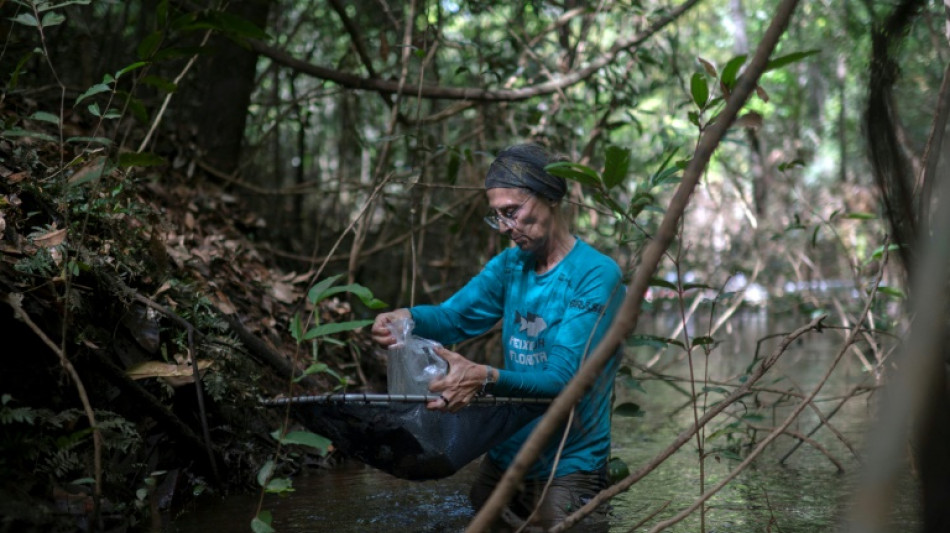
[15,415]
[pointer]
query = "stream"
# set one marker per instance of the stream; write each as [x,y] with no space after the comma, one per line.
[804,494]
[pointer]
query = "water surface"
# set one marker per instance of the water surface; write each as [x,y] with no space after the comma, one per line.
[804,494]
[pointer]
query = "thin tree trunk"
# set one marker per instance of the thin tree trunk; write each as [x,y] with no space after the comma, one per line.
[224,85]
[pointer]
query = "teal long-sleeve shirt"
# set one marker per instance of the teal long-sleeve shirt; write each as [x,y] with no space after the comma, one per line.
[550,322]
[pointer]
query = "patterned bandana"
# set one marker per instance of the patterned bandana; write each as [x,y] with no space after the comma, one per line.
[522,166]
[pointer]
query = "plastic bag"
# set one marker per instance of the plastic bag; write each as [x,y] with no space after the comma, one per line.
[412,362]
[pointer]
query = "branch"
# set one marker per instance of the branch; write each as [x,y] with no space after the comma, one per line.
[355,37]
[688,433]
[626,319]
[933,150]
[788,420]
[352,81]
[15,300]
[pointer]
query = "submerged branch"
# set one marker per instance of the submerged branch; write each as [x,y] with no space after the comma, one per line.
[688,433]
[787,422]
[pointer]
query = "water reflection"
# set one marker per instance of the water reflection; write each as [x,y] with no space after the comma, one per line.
[349,498]
[806,494]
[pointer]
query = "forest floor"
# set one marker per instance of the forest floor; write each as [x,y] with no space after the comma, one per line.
[111,277]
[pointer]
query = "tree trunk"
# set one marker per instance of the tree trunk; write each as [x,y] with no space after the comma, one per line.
[222,89]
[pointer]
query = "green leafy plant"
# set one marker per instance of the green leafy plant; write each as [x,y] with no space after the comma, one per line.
[315,332]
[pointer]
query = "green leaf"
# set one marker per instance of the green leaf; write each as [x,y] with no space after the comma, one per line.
[149,45]
[262,523]
[665,176]
[134,105]
[18,132]
[575,172]
[628,409]
[316,368]
[699,89]
[53,19]
[860,216]
[879,252]
[707,388]
[45,117]
[608,202]
[296,328]
[639,202]
[691,286]
[794,57]
[15,76]
[617,469]
[265,473]
[361,292]
[893,292]
[704,341]
[305,438]
[335,327]
[731,71]
[130,68]
[161,13]
[616,166]
[279,485]
[140,159]
[26,19]
[316,293]
[658,282]
[92,140]
[95,89]
[46,6]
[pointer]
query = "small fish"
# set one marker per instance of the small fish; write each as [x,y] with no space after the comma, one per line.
[531,323]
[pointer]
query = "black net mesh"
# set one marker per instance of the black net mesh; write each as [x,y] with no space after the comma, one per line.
[409,441]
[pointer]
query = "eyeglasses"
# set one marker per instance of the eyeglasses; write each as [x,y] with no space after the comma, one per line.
[509,217]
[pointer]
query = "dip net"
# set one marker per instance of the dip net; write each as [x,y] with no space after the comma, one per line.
[398,435]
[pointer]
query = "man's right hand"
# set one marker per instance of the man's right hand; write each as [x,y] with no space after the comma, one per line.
[380,332]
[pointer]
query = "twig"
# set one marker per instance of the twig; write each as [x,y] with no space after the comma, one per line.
[650,516]
[781,428]
[687,434]
[825,421]
[199,391]
[16,300]
[352,81]
[804,438]
[168,97]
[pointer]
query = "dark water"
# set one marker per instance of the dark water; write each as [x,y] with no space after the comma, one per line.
[806,494]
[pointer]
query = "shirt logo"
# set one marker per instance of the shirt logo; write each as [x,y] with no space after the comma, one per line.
[531,323]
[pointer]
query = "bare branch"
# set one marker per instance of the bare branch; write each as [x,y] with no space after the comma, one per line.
[352,81]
